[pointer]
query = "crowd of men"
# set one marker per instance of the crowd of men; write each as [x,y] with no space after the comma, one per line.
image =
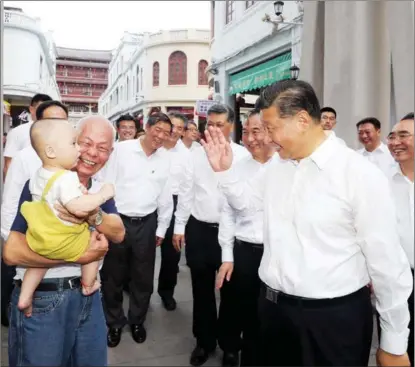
[293,228]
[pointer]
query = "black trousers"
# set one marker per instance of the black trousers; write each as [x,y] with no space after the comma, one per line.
[410,349]
[132,259]
[329,332]
[240,302]
[203,255]
[169,261]
[7,274]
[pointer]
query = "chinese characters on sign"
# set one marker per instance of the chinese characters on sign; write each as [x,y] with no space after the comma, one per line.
[202,106]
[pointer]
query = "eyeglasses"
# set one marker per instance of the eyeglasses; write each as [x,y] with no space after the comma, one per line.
[401,135]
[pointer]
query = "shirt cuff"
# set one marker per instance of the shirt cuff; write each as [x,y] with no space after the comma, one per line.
[394,343]
[179,228]
[227,254]
[161,230]
[225,177]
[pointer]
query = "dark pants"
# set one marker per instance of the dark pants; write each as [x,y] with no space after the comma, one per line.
[132,259]
[240,302]
[7,274]
[410,349]
[203,255]
[169,261]
[329,332]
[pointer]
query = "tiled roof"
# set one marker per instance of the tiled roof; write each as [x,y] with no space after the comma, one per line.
[78,54]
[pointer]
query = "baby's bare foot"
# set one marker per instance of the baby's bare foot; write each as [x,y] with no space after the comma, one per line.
[25,305]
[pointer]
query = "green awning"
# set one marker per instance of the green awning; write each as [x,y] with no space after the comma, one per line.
[261,75]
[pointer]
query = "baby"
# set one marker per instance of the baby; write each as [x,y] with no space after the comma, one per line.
[55,142]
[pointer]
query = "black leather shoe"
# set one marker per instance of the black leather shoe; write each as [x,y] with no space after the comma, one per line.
[169,303]
[199,356]
[113,337]
[138,333]
[230,359]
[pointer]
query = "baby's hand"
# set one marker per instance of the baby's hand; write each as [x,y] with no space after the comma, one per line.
[108,191]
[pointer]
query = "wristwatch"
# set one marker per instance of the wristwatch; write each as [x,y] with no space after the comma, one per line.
[98,218]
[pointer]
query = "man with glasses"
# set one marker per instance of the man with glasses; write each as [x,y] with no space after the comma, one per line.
[139,172]
[127,127]
[369,132]
[401,145]
[190,136]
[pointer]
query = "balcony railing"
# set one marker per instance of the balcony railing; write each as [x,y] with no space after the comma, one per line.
[81,79]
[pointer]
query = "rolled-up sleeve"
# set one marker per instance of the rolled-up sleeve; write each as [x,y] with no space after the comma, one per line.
[388,266]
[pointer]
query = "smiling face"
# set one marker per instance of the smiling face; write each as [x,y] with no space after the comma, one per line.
[401,141]
[177,129]
[369,136]
[221,122]
[96,144]
[157,134]
[126,130]
[191,133]
[254,136]
[288,134]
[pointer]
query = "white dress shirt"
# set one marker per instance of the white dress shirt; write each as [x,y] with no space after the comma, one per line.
[18,138]
[141,182]
[244,225]
[330,229]
[179,157]
[201,196]
[403,195]
[381,157]
[331,132]
[23,166]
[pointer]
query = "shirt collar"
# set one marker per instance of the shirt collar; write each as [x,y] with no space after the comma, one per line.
[382,148]
[325,151]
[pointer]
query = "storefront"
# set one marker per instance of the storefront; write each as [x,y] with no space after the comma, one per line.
[252,80]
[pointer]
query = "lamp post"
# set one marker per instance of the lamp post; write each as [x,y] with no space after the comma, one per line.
[295,71]
[278,9]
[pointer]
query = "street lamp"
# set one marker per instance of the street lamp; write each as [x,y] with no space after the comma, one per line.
[278,7]
[295,70]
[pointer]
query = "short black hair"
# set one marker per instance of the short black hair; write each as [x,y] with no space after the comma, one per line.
[408,116]
[370,120]
[178,115]
[39,98]
[219,109]
[329,109]
[290,97]
[127,117]
[253,112]
[45,105]
[156,117]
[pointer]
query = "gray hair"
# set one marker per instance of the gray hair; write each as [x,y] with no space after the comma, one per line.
[101,119]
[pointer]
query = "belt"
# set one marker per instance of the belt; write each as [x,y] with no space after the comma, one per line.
[136,219]
[258,246]
[55,284]
[207,224]
[280,297]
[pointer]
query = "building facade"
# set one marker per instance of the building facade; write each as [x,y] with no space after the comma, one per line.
[82,76]
[29,62]
[249,53]
[162,71]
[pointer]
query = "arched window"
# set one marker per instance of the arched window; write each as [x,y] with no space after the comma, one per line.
[177,68]
[156,74]
[202,77]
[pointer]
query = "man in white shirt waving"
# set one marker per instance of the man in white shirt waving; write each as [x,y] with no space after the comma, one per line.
[241,240]
[401,146]
[19,137]
[329,229]
[199,207]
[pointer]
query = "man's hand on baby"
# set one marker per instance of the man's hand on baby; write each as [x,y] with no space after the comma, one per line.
[98,247]
[107,191]
[64,214]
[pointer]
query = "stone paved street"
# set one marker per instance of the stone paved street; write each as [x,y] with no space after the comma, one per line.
[169,341]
